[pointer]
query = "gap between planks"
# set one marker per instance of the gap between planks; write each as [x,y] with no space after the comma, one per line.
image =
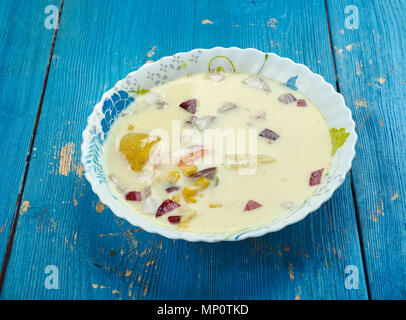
[354,197]
[16,214]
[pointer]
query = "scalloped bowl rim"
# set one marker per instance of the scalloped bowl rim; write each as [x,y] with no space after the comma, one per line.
[257,231]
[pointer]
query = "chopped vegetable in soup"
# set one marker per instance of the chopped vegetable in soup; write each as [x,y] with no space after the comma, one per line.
[217,152]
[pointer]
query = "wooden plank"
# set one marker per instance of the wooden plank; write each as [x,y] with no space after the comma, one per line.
[371,73]
[101,257]
[24,50]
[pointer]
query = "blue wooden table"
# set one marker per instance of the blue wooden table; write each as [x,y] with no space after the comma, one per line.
[57,241]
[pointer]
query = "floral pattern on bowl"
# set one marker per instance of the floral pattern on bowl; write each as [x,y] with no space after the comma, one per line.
[295,76]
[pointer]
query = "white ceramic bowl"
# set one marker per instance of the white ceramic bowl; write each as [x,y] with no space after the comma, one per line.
[294,75]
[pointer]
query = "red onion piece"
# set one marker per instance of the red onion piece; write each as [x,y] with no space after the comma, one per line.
[269,134]
[166,206]
[208,173]
[174,219]
[287,98]
[301,103]
[315,177]
[171,189]
[189,105]
[251,205]
[133,196]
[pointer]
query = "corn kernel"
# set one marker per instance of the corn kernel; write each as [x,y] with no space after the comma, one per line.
[174,176]
[176,198]
[190,191]
[188,170]
[190,199]
[215,205]
[202,183]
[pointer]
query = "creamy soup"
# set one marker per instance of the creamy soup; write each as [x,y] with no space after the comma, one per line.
[217,152]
